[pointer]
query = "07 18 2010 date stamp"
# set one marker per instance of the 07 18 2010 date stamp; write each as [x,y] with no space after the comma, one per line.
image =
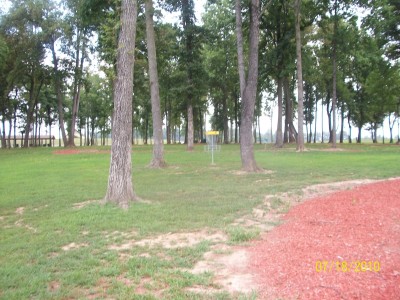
[356,266]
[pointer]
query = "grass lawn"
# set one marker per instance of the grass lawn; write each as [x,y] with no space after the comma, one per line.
[50,249]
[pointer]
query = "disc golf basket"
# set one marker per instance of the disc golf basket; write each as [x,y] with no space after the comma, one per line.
[212,144]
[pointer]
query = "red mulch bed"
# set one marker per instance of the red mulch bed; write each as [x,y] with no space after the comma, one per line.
[351,226]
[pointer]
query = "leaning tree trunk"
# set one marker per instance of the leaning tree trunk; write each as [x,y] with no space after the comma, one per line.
[300,135]
[249,91]
[158,146]
[120,187]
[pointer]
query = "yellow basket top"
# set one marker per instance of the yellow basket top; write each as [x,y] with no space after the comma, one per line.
[212,132]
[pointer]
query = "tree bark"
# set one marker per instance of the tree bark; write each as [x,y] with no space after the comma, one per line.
[300,135]
[158,145]
[239,38]
[120,187]
[188,27]
[289,134]
[249,91]
[334,75]
[279,133]
[57,89]
[190,128]
[315,118]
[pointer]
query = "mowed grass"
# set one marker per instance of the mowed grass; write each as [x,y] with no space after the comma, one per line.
[38,190]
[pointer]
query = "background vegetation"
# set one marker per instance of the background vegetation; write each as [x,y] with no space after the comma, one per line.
[57,67]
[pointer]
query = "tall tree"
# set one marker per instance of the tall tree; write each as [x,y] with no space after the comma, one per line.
[221,64]
[300,118]
[158,147]
[334,72]
[53,27]
[120,187]
[78,42]
[248,86]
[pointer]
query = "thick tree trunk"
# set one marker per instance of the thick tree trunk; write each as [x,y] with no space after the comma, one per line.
[190,128]
[249,92]
[158,146]
[279,133]
[300,135]
[120,187]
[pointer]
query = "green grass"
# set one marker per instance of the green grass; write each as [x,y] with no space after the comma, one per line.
[187,196]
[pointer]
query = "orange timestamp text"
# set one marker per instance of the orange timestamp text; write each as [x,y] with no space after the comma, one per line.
[357,266]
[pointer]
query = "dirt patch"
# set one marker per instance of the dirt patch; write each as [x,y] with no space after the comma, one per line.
[54,286]
[338,231]
[20,211]
[182,239]
[73,246]
[229,266]
[79,151]
[241,172]
[20,223]
[80,205]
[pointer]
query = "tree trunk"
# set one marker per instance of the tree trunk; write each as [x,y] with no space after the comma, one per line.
[3,134]
[359,135]
[349,122]
[315,118]
[289,134]
[322,121]
[341,137]
[15,126]
[33,99]
[334,75]
[120,187]
[158,146]
[79,59]
[57,89]
[236,119]
[190,128]
[225,117]
[300,110]
[239,39]
[249,90]
[279,133]
[329,113]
